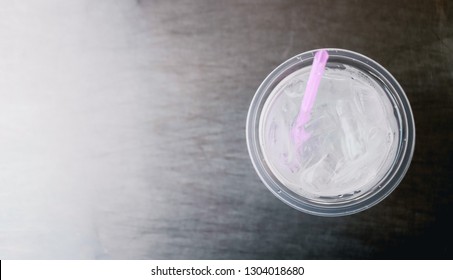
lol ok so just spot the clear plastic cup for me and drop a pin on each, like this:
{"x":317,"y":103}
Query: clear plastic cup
{"x":361,"y":135}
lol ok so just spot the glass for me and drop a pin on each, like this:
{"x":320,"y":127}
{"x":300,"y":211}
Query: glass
{"x":352,"y":196}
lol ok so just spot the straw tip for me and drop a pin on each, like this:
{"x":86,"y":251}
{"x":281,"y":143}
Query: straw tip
{"x":322,"y":56}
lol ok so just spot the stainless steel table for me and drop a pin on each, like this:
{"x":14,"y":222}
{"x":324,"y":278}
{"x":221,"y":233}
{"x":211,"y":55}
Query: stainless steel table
{"x":122,"y":129}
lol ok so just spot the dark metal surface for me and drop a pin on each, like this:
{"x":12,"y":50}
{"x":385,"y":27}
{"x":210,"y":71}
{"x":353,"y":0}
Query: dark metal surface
{"x":139,"y":152}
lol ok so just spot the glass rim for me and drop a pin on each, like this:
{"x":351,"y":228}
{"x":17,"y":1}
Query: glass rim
{"x":345,"y":206}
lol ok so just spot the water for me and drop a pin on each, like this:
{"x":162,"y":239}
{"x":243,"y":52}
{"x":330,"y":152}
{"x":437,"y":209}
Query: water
{"x":353,"y":134}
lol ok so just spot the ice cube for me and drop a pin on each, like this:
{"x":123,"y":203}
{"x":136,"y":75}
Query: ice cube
{"x":321,"y":173}
{"x":352,"y":145}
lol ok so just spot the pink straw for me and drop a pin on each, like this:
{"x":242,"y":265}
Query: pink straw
{"x":298,"y":132}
